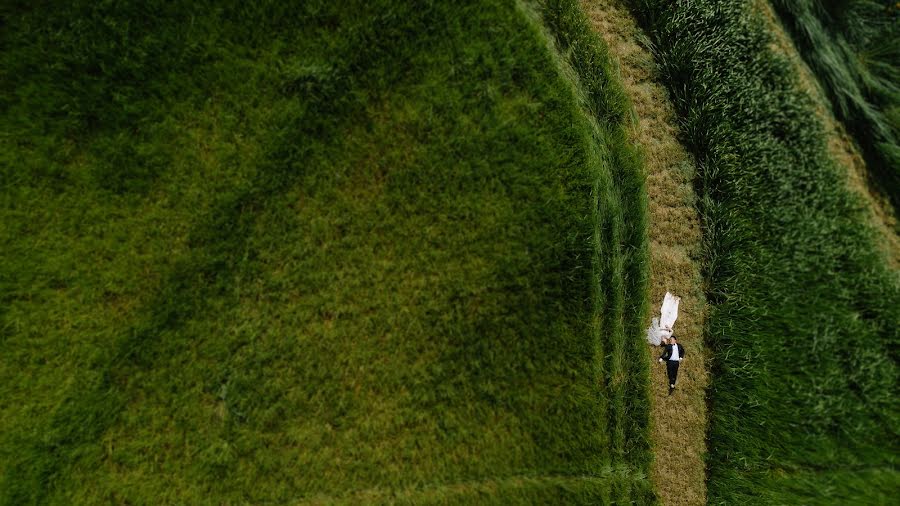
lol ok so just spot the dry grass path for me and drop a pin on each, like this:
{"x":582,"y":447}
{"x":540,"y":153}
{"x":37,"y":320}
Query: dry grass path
{"x":678,"y":423}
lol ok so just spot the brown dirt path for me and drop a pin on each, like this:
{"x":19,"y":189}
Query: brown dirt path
{"x":841,"y":146}
{"x":678,"y":423}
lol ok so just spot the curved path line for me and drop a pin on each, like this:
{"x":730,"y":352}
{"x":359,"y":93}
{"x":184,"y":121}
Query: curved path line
{"x":678,"y":423}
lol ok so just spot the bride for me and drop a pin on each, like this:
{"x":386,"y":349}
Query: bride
{"x":661,"y":328}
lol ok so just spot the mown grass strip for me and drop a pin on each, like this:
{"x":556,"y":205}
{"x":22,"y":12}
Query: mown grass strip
{"x":801,"y":331}
{"x":677,"y":422}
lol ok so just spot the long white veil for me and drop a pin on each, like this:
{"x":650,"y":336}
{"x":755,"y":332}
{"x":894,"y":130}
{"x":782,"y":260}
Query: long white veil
{"x":661,"y":328}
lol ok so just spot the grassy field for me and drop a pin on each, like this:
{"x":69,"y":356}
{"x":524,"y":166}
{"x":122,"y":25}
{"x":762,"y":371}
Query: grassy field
{"x":801,"y":328}
{"x":852,"y":47}
{"x":293,"y":252}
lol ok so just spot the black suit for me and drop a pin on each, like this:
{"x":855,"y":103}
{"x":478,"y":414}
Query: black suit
{"x":672,"y":365}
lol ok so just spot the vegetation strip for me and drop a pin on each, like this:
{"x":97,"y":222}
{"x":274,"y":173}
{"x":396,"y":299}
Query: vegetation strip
{"x":621,"y":242}
{"x":678,"y":422}
{"x":851,"y":46}
{"x":800,"y":328}
{"x":842,"y":147}
{"x":577,"y":489}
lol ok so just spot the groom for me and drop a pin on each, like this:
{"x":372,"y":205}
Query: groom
{"x":673,"y":355}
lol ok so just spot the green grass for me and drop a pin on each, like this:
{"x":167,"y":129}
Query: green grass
{"x":802,"y":325}
{"x":293,"y":252}
{"x":621,"y":245}
{"x":852,"y":46}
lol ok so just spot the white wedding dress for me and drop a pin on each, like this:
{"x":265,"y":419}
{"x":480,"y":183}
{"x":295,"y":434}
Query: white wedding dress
{"x":661,"y":328}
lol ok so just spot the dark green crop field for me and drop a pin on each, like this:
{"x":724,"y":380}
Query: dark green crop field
{"x":803,"y":322}
{"x":280,"y":252}
{"x":853,"y":46}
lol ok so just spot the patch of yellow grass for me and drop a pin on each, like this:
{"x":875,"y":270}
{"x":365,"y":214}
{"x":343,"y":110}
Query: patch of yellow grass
{"x":678,"y":423}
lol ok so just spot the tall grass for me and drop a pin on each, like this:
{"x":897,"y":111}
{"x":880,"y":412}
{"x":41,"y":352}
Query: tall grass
{"x":621,"y":298}
{"x":801,"y":331}
{"x":280,"y":252}
{"x":852,"y":47}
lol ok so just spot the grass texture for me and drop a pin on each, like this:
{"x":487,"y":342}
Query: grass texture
{"x":677,"y":422}
{"x":277,"y":252}
{"x":852,"y":46}
{"x":802,"y":326}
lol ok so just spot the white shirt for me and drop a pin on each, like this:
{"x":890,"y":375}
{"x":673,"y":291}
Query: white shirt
{"x":675,"y":355}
